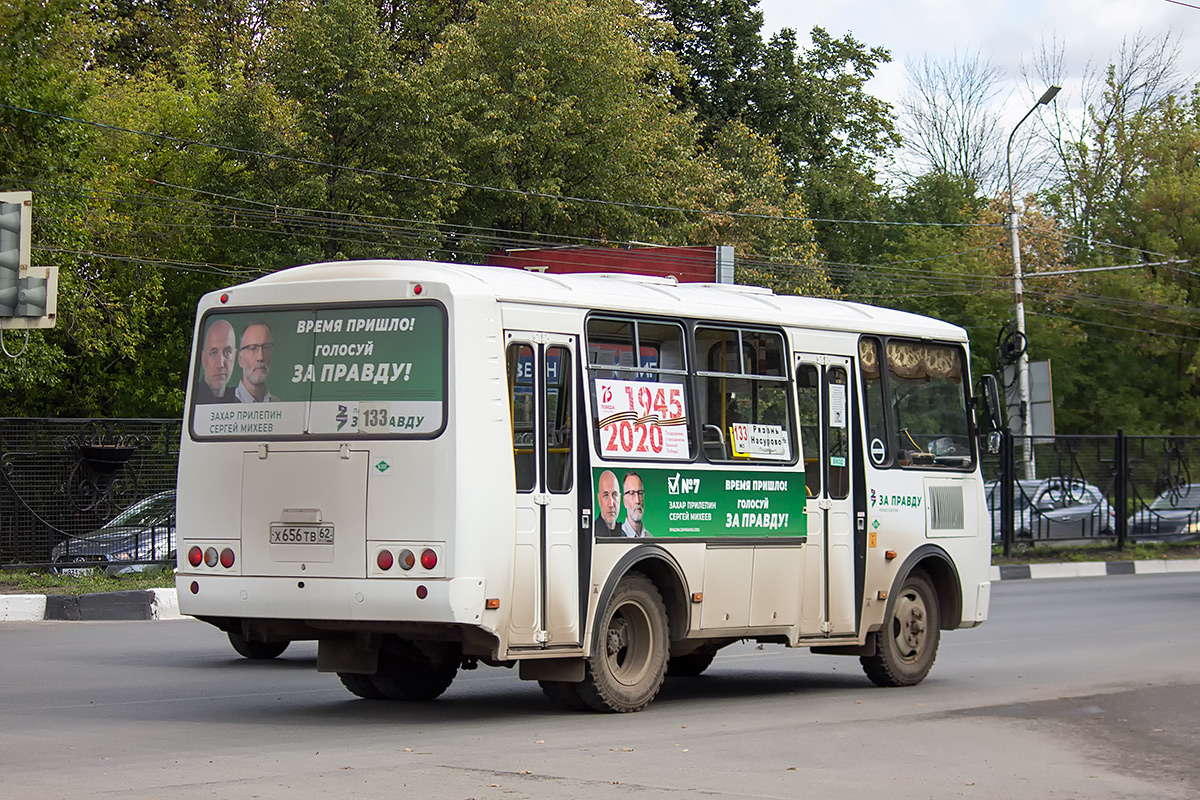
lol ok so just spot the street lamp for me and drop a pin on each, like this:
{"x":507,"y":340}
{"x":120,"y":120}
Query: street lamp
{"x":1023,"y":361}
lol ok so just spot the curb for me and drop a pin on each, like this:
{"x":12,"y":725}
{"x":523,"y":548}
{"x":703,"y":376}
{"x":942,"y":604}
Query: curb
{"x":163,"y":604}
{"x":1091,"y":569}
{"x":150,"y":604}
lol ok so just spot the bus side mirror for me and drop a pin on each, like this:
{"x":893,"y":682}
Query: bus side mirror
{"x":988,"y":408}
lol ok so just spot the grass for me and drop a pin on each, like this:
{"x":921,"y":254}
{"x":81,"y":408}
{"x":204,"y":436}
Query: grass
{"x":40,"y":582}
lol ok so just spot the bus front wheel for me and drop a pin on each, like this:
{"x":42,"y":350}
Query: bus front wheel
{"x":907,"y":645}
{"x":628,"y":667}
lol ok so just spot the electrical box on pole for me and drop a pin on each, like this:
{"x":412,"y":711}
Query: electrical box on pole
{"x":28,"y":295}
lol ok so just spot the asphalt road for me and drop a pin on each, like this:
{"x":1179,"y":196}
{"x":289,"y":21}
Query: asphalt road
{"x":1084,"y":688}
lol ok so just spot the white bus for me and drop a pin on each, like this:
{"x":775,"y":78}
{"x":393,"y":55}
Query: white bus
{"x":600,"y":479}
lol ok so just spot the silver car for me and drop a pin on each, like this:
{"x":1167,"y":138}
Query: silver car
{"x":1172,"y":516}
{"x":140,"y":537}
{"x":1054,"y":508}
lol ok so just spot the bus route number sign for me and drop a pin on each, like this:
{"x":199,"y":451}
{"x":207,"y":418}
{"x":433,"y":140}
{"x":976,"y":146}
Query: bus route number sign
{"x":642,"y":419}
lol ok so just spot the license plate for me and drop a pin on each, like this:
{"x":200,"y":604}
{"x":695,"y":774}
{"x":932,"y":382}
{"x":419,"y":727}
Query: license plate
{"x":302,"y":534}
{"x":78,"y":572}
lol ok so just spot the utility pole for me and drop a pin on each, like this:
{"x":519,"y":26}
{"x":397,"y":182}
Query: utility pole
{"x":1014,"y":224}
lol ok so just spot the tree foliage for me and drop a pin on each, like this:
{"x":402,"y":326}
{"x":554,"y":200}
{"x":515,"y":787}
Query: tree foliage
{"x":176,"y":146}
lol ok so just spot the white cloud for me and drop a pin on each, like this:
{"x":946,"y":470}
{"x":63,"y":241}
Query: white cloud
{"x":1006,"y":32}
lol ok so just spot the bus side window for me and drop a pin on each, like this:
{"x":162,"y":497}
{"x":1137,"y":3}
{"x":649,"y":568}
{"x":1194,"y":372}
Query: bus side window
{"x":637,"y":369}
{"x":837,"y":439}
{"x":558,"y":420}
{"x":520,"y":386}
{"x":743,"y":383}
{"x":808,"y":412}
{"x":870,"y":361}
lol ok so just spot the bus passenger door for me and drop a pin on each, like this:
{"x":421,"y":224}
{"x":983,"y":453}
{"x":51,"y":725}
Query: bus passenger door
{"x":823,"y":397}
{"x":545,"y":603}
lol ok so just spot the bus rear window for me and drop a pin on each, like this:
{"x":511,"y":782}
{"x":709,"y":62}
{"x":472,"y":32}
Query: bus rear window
{"x":328,"y":372}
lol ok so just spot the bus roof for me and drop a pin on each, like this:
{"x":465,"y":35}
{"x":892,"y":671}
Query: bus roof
{"x":626,"y":293}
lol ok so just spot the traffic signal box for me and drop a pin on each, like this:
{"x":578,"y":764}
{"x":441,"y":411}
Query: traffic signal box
{"x":28,"y":295}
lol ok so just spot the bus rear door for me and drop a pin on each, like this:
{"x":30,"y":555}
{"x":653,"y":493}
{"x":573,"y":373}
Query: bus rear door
{"x":545,"y":605}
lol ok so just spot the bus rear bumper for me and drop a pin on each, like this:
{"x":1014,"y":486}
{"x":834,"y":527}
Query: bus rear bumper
{"x":453,"y":600}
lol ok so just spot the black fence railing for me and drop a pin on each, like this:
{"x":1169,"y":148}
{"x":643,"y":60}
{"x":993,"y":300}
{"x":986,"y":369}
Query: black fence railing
{"x":1118,"y":487}
{"x":63,"y":480}
{"x":80,"y":493}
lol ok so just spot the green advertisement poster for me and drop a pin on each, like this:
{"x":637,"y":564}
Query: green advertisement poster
{"x":679,"y":503}
{"x":362,"y":370}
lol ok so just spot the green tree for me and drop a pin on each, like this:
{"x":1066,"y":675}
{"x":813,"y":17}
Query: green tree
{"x":756,"y":209}
{"x":720,"y":43}
{"x":359,"y":119}
{"x":547,"y":99}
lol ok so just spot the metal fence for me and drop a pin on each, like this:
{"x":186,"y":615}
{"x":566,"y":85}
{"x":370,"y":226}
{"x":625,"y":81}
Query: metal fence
{"x":1119,"y":487}
{"x":61,"y":480}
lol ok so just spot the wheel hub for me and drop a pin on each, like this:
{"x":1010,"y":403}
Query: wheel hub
{"x":911,"y":625}
{"x":616,"y":639}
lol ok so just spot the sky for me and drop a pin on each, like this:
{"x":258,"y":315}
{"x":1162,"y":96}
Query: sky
{"x":1005,"y":31}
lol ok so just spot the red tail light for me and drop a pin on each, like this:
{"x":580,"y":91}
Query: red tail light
{"x":428,"y":558}
{"x":384,"y":560}
{"x":195,"y":556}
{"x":227,"y":558}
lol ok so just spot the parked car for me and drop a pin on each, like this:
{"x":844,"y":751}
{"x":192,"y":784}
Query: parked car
{"x":1173,"y":515}
{"x":129,"y":542}
{"x":1054,"y":508}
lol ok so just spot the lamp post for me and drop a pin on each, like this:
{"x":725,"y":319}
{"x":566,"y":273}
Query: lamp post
{"x":1018,"y":289}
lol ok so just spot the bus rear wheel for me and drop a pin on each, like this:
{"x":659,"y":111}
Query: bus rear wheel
{"x":628,"y":667}
{"x":907,"y":645}
{"x":564,"y":695}
{"x":409,"y":672}
{"x":689,"y":666}
{"x":361,"y":685}
{"x":250,"y":648}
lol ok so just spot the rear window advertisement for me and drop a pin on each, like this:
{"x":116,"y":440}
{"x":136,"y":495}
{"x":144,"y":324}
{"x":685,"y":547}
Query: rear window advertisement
{"x":366,"y":371}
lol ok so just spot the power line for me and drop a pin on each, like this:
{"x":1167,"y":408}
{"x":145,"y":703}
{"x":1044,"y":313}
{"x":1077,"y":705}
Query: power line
{"x":480,"y":187}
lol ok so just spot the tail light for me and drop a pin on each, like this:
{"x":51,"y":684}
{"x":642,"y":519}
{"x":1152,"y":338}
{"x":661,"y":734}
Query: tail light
{"x":428,"y":558}
{"x":407,"y":559}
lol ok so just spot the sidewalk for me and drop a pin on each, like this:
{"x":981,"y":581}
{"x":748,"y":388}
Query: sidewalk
{"x":150,"y":604}
{"x":1091,"y":569}
{"x":163,"y":604}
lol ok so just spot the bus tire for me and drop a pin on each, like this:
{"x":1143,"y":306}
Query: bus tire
{"x":408,"y":673}
{"x":689,"y":666}
{"x":259,"y":651}
{"x":907,"y":645}
{"x":361,"y":685}
{"x":564,"y":695}
{"x":628,"y":667}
